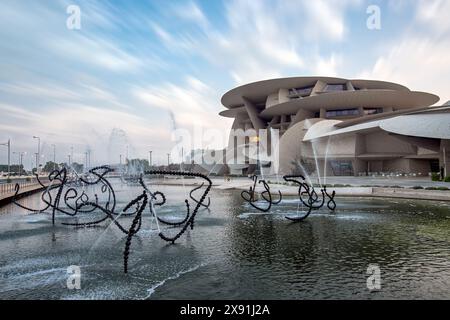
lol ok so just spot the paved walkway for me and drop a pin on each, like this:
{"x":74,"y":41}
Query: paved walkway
{"x":384,"y":181}
{"x":355,"y":186}
{"x":233,"y":182}
{"x":7,"y":191}
{"x":405,"y":182}
{"x":238,"y":182}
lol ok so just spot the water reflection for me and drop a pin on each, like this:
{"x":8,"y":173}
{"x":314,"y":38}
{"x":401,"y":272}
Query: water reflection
{"x":235,"y":253}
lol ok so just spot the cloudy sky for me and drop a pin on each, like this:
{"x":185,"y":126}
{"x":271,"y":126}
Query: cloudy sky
{"x":136,"y":70}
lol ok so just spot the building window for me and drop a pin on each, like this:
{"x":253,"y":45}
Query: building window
{"x":300,"y":92}
{"x":342,"y":113}
{"x":341,"y":167}
{"x":434,"y":165}
{"x":369,"y":111}
{"x":335,"y":87}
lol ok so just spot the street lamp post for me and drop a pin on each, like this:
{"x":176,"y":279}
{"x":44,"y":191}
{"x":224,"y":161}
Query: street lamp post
{"x":21,"y":162}
{"x":38,"y":155}
{"x":37,"y":160}
{"x":168,"y":159}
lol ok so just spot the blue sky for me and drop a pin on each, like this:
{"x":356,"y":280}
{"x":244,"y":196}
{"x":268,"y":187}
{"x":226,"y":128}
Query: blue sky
{"x":137,"y":69}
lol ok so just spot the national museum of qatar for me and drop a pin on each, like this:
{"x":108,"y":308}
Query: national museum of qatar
{"x":339,"y":127}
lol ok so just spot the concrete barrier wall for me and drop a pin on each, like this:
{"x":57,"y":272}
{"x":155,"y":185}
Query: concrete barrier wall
{"x":404,"y":193}
{"x":411,"y":194}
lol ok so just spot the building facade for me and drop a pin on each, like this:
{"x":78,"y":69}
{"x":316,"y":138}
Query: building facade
{"x":333,"y":126}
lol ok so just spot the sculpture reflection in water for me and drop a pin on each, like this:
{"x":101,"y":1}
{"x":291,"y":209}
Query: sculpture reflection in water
{"x":307,"y":195}
{"x":63,"y":196}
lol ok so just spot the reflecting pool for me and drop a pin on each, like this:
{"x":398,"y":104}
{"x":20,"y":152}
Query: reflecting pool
{"x":234,"y":252}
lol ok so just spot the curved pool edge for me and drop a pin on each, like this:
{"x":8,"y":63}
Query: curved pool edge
{"x":376,"y":192}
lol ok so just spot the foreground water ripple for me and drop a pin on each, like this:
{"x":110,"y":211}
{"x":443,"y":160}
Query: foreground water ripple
{"x":235,"y":252}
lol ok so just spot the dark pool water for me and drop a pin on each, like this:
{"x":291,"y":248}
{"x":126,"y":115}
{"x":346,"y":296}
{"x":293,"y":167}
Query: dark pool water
{"x":235,"y":252}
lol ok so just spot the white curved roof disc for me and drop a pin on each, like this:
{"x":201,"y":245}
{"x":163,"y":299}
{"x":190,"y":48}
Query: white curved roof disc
{"x":436,"y":125}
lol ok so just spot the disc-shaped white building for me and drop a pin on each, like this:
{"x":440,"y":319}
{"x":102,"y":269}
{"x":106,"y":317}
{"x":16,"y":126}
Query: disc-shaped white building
{"x":347,"y":127}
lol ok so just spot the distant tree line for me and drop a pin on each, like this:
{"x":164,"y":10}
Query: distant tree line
{"x":14,"y":168}
{"x":50,"y":166}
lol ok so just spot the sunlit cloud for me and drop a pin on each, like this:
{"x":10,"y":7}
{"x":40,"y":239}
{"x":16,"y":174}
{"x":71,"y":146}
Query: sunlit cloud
{"x":193,"y":103}
{"x":139,"y":67}
{"x":420,"y":59}
{"x":192,"y":13}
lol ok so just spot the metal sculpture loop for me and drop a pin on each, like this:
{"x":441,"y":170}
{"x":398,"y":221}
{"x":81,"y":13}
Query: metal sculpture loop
{"x":249,"y":195}
{"x":69,"y":201}
{"x":195,"y":200}
{"x":331,"y":204}
{"x":312,"y":202}
{"x":307,"y":195}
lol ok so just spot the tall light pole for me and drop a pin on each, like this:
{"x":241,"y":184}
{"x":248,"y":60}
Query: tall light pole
{"x":38,"y":153}
{"x":37,"y":160}
{"x":54,"y":156}
{"x":21,"y":161}
{"x":8,"y":144}
{"x":168,"y":159}
{"x":86,"y":159}
{"x":69,"y":159}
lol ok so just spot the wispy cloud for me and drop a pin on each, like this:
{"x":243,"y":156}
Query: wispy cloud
{"x":191,"y":12}
{"x":133,"y":64}
{"x":107,"y":55}
{"x":265,"y":39}
{"x":193,"y":103}
{"x":434,"y":14}
{"x":325,"y":19}
{"x":420,"y":59}
{"x":45,"y":90}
